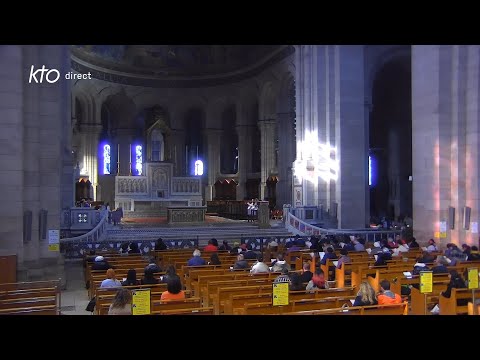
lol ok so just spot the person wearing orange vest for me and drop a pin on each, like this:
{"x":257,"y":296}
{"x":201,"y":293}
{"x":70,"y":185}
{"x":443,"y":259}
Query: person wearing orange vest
{"x":386,"y":296}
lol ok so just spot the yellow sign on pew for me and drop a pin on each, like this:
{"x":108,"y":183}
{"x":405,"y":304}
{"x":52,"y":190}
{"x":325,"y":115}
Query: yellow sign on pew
{"x":473,"y":278}
{"x":141,"y":302}
{"x":280,"y":294}
{"x":426,"y":282}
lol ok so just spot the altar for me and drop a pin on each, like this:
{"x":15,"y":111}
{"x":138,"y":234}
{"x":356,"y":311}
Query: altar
{"x":153,"y":193}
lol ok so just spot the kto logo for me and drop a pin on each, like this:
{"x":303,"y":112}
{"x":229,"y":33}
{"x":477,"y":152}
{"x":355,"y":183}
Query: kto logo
{"x":51,"y":75}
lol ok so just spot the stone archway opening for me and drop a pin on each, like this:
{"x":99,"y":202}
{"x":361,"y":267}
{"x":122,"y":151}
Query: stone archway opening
{"x":390,"y":155}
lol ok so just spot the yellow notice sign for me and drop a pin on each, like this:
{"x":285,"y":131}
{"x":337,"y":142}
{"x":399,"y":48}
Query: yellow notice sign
{"x":436,"y":234}
{"x":426,"y":282}
{"x":141,"y":302}
{"x":473,"y":278}
{"x":280,"y":294}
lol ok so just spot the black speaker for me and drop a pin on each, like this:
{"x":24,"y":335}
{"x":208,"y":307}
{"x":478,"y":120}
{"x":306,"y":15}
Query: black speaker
{"x":466,"y":217}
{"x":451,"y":217}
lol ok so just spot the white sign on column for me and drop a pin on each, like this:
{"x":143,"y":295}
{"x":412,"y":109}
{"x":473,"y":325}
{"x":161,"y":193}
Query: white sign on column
{"x":474,"y":227}
{"x":53,"y":240}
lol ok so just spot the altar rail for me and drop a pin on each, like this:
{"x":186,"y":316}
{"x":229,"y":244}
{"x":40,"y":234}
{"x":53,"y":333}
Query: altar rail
{"x":300,"y":227}
{"x":72,"y":248}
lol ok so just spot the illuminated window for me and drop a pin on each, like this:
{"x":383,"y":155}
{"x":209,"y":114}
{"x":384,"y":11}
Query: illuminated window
{"x":369,"y":170}
{"x":138,"y":160}
{"x":198,"y":168}
{"x":106,"y":159}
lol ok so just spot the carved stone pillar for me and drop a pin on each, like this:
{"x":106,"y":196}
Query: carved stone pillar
{"x":90,"y":137}
{"x":244,"y":157}
{"x":177,"y":152}
{"x":212,"y":167}
{"x":267,"y":133}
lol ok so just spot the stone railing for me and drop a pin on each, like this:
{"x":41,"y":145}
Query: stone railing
{"x":93,"y":235}
{"x":300,"y":227}
{"x":131,"y":185}
{"x":186,"y":185}
{"x":77,"y":249}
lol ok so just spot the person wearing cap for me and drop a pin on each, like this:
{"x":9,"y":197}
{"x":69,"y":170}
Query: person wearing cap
{"x":413,"y":243}
{"x":101,"y":264}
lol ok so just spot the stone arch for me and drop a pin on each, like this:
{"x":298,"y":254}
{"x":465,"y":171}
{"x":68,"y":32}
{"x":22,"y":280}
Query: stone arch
{"x":122,"y":110}
{"x":391,"y":132}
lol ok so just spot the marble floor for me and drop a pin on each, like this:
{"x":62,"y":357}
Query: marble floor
{"x":74,"y":298}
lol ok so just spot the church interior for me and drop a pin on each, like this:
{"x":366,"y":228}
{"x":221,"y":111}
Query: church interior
{"x":349,"y":164}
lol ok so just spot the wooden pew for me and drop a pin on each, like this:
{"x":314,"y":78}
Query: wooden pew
{"x":449,"y":306}
{"x":419,"y":301}
{"x":392,"y":309}
{"x":297,"y":305}
{"x":34,"y":310}
{"x":190,"y":311}
{"x":473,"y":309}
{"x":235,"y":303}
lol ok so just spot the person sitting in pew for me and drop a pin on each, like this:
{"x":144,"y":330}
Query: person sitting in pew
{"x":306,"y":274}
{"x":122,"y":303}
{"x":152,"y":265}
{"x":160,"y":245}
{"x":260,"y":266}
{"x":296,"y":283}
{"x":197,"y":259}
{"x":386,"y":296}
{"x":283,"y":277}
{"x":148,"y":277}
{"x":366,"y":295}
{"x":318,"y":281}
{"x":170,"y":272}
{"x":280,"y":264}
{"x":131,"y":279}
{"x":344,"y":258}
{"x":225,"y":246}
{"x":101,"y":264}
{"x":174,"y":290}
{"x":441,"y":264}
{"x":249,"y":254}
{"x":214,"y":259}
{"x":241,"y":263}
{"x":111,"y":280}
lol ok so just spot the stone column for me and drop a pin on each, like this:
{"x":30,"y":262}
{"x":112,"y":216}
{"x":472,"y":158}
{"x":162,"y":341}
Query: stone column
{"x":212,"y":167}
{"x":244,"y":157}
{"x":124,"y":138}
{"x":267,"y":133}
{"x":178,"y":152}
{"x":445,"y":141}
{"x":12,"y":81}
{"x":332,"y":156}
{"x":286,"y":156}
{"x":90,"y":145}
